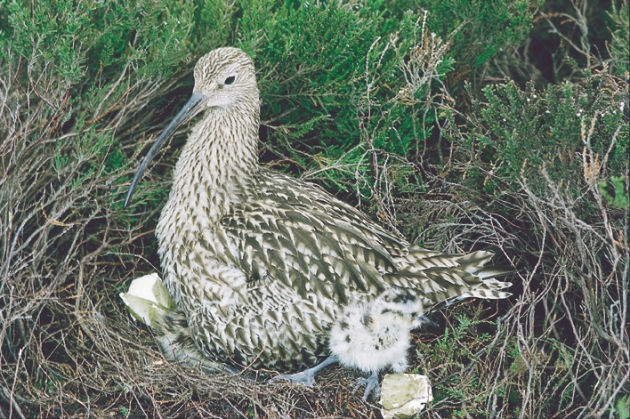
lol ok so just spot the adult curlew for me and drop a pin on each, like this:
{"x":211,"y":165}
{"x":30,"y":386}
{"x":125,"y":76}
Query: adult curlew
{"x":272,"y":271}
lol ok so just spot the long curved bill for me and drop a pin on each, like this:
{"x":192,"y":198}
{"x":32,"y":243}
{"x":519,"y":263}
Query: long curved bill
{"x":190,"y":109}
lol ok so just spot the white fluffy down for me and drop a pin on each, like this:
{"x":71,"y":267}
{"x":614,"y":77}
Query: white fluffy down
{"x":371,"y":336}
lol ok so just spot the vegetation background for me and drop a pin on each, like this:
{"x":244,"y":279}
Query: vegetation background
{"x":466,"y":124}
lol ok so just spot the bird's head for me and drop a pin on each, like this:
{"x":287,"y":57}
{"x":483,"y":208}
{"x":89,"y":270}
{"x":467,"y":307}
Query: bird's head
{"x":224,"y":78}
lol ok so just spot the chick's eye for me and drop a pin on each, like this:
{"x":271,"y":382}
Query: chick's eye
{"x":230,"y":80}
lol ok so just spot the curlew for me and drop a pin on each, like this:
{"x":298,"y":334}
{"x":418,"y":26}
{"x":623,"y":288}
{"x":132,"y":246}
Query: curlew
{"x":271,"y":271}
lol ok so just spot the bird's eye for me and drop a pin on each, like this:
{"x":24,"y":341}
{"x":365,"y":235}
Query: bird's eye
{"x":230,"y":80}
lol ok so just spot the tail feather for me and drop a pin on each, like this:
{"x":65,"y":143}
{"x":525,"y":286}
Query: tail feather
{"x":447,"y":278}
{"x":473,"y":262}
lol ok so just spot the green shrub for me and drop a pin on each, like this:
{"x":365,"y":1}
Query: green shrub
{"x":540,"y":176}
{"x":518,"y":133}
{"x":618,"y":47}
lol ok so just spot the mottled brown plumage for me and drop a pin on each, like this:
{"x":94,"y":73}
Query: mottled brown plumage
{"x":263,"y":265}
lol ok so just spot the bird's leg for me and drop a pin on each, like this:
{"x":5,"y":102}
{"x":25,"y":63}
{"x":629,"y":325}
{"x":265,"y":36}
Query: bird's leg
{"x":307,"y":377}
{"x":370,"y":383}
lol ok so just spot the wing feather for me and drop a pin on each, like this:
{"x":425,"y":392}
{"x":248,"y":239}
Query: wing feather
{"x":309,"y":241}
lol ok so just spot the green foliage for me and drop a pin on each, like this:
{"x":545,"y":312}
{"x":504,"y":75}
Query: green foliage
{"x":619,"y":47}
{"x":616,"y":191}
{"x":459,"y":349}
{"x":622,"y":407}
{"x":323,"y":73}
{"x":84,"y":39}
{"x":545,"y":168}
{"x":124,"y":411}
{"x":331,"y":97}
{"x":519,"y":132}
{"x":482,"y":29}
{"x":486,"y":27}
{"x":86,"y":61}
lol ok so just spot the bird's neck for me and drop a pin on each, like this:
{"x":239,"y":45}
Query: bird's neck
{"x":218,"y":164}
